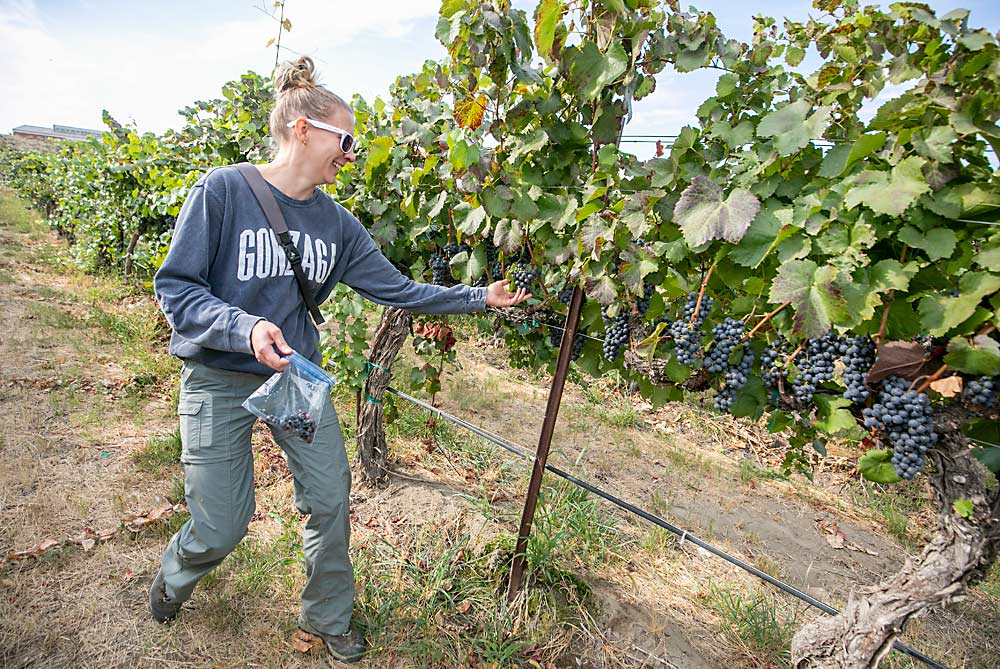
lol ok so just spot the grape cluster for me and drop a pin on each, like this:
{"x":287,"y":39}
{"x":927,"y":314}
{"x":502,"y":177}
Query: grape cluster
{"x":566,"y":294}
{"x":452,"y":249}
{"x":642,"y":303}
{"x":494,"y":264}
{"x":981,"y":391}
{"x":441,"y":262}
{"x":555,"y":339}
{"x":905,"y":418}
{"x":815,"y":365}
{"x":523,"y":276}
{"x":301,"y":423}
{"x":772,"y":362}
{"x":615,"y":334}
{"x":858,"y":359}
{"x":727,"y":336}
{"x":736,"y":378}
{"x":688,"y":337}
{"x":441,"y":269}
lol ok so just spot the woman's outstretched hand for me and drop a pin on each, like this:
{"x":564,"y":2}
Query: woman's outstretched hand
{"x":497,"y":295}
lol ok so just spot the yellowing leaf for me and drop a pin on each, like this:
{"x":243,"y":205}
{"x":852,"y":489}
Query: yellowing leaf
{"x":469,"y":112}
{"x":949,"y":386}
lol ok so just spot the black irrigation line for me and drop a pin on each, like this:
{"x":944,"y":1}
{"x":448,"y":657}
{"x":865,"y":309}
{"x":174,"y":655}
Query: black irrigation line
{"x":656,"y":520}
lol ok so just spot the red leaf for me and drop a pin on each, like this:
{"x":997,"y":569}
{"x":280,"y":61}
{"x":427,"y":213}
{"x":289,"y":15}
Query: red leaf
{"x":905,"y":359}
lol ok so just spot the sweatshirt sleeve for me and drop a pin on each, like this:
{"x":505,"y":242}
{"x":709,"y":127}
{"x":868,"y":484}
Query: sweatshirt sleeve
{"x":181,"y":284}
{"x":373,"y":277}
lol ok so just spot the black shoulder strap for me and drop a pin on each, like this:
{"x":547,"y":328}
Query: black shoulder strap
{"x":267,"y":202}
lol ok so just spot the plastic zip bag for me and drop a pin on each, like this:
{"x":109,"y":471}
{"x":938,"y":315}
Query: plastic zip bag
{"x":293,"y":399}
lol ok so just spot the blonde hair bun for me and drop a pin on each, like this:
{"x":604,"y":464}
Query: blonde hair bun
{"x":294,"y":75}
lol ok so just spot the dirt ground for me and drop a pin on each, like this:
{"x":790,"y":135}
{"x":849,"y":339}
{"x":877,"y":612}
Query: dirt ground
{"x":83,"y":522}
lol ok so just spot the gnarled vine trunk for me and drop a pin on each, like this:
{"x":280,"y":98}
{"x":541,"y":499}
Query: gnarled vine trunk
{"x":958,"y":555}
{"x":389,"y":337}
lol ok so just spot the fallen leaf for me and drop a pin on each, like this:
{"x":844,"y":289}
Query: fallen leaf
{"x":949,"y":386}
{"x":835,"y":540}
{"x":305,"y":642}
{"x":46,"y":545}
{"x":464,"y":606}
{"x":832,"y":533}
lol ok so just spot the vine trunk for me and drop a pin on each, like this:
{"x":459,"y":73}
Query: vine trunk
{"x":960,"y":553}
{"x":389,"y":338}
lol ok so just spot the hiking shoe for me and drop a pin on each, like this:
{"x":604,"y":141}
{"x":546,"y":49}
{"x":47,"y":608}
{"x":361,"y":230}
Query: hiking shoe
{"x":162,"y":607}
{"x":347,"y":647}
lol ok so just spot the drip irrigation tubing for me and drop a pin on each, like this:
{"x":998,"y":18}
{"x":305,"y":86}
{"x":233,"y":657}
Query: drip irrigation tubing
{"x":656,"y":520}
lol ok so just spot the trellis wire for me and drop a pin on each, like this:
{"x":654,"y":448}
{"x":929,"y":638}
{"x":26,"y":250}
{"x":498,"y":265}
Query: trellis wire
{"x":656,"y":520}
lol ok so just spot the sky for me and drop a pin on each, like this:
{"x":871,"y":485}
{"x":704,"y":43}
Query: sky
{"x":63,"y":61}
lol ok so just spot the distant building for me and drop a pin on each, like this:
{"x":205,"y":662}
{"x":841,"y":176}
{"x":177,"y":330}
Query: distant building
{"x":55,"y":132}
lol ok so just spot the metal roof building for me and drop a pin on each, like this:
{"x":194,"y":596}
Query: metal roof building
{"x":56,"y":132}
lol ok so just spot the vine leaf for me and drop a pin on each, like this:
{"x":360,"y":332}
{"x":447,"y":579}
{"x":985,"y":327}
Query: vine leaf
{"x":451,"y":7}
{"x":601,"y":288}
{"x":547,"y":17}
{"x":703,"y":215}
{"x":468,"y":219}
{"x":763,"y":235}
{"x":841,"y":157}
{"x":938,"y":243}
{"x":963,"y":508}
{"x":981,"y":356}
{"x":905,"y":359}
{"x":470,"y":111}
{"x":876,"y":465}
{"x":891,"y":274}
{"x":834,"y":415}
{"x":940,"y":313}
{"x":595,"y":232}
{"x":889,"y":193}
{"x":528,"y":143}
{"x":590,"y":71}
{"x":378,"y":152}
{"x":814,"y":293}
{"x":470,"y":266}
{"x":508,"y":235}
{"x":989,"y":456}
{"x":792,"y":127}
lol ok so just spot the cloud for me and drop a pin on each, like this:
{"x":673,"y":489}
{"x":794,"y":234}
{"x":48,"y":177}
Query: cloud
{"x":144,"y":66}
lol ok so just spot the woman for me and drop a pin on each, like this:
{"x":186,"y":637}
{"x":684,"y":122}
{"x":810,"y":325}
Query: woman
{"x":233,"y":302}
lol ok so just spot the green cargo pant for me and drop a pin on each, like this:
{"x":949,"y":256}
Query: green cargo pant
{"x":218,"y":486}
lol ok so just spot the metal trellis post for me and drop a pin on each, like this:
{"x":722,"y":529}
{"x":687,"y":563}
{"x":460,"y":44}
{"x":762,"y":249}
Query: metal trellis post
{"x":544,"y":441}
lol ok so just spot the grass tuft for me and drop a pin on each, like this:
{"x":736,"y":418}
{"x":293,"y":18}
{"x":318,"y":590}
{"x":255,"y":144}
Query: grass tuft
{"x":756,"y":622}
{"x":160,"y":451}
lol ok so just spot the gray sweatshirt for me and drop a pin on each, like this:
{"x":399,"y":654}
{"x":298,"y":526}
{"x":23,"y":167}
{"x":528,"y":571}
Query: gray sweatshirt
{"x":225,"y":271}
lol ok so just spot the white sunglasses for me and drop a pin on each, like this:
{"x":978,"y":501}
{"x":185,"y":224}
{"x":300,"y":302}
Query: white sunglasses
{"x":346,"y":138}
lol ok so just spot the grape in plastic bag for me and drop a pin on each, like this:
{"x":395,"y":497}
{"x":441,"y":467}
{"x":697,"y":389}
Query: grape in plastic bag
{"x":293,"y":399}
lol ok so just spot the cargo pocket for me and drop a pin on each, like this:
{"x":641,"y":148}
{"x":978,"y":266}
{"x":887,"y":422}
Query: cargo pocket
{"x":196,"y":424}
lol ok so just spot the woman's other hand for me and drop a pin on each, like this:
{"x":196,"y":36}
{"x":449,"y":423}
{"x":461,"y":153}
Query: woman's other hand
{"x":263,"y":338}
{"x":497,"y":295}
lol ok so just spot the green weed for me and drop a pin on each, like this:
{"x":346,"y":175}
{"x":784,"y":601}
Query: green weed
{"x":751,"y":472}
{"x":757,"y":623}
{"x":160,"y":451}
